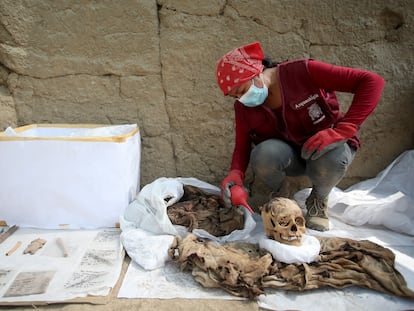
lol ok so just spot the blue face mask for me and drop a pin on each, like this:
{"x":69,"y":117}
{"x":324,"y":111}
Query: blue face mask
{"x":254,"y":96}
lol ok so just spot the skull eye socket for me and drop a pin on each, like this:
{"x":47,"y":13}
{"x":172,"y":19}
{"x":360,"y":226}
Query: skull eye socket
{"x":299,"y":221}
{"x":283,"y":222}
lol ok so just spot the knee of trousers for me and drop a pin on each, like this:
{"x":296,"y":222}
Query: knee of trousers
{"x":328,"y":168}
{"x":271,"y":155}
{"x":337,"y":159}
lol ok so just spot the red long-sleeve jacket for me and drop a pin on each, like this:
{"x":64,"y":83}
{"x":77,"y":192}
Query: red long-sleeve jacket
{"x":309,"y":104}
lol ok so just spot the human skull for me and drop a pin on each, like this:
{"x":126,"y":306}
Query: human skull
{"x":283,"y":221}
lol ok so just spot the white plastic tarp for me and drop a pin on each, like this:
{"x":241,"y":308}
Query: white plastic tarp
{"x":147,"y":232}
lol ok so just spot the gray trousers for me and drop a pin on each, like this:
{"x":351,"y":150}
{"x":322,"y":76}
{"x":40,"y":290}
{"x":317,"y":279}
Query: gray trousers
{"x":273,"y":160}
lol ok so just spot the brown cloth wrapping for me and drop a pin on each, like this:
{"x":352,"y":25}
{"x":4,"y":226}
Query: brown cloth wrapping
{"x":200,"y":210}
{"x":245,"y":270}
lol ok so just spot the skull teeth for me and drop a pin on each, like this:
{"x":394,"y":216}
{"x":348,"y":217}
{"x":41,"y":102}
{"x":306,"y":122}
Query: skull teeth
{"x":289,"y":238}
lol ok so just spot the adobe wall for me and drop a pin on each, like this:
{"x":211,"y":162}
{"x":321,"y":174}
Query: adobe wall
{"x":153,"y":62}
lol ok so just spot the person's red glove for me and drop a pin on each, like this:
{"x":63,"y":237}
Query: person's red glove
{"x":328,"y":139}
{"x":238,"y":197}
{"x":235,"y":177}
{"x":232,"y":190}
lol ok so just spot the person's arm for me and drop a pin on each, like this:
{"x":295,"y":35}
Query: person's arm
{"x":365,"y":85}
{"x":232,"y":185}
{"x":242,"y":145}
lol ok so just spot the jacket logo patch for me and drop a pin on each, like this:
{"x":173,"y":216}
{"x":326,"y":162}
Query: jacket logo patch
{"x":307,"y":100}
{"x":315,"y":113}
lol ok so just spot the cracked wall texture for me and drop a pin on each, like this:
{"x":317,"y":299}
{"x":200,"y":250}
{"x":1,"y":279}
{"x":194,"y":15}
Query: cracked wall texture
{"x":153,"y":62}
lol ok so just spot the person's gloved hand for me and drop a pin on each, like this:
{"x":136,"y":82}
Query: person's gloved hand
{"x":235,"y":177}
{"x":328,"y":139}
{"x":233,"y":192}
{"x":238,"y":197}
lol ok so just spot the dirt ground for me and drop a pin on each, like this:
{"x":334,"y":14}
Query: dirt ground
{"x":113,"y":303}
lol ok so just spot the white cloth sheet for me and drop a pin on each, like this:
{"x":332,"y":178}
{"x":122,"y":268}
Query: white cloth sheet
{"x":379,"y":210}
{"x":147,"y":232}
{"x":386,"y":200}
{"x":168,"y":282}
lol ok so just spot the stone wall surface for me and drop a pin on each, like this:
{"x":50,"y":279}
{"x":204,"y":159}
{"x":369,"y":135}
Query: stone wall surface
{"x":153,"y":63}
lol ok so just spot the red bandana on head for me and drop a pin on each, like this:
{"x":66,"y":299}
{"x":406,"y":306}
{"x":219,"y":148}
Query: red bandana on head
{"x":238,"y":66}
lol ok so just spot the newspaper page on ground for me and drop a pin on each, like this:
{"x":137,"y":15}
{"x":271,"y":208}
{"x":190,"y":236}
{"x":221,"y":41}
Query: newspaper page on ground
{"x":38,"y":265}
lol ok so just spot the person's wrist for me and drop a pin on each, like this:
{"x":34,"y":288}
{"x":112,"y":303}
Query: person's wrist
{"x":236,"y":176}
{"x":346,"y":129}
